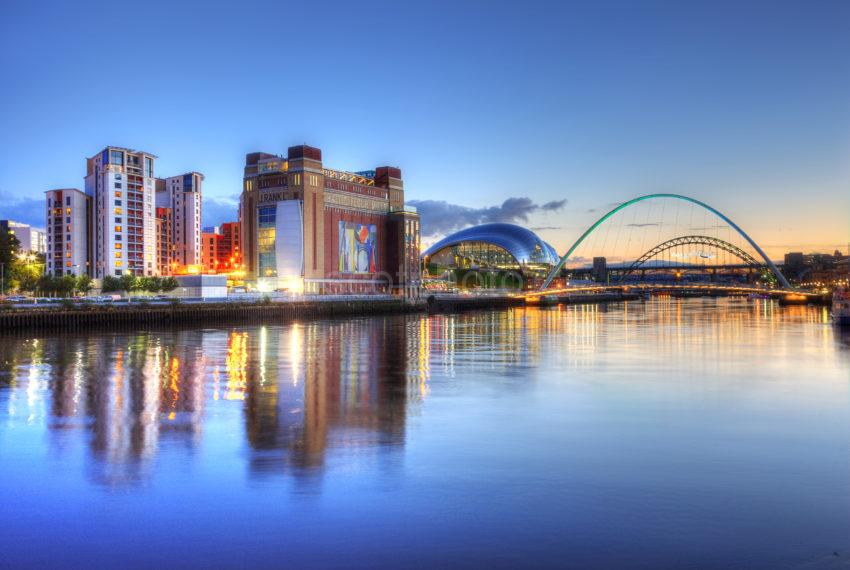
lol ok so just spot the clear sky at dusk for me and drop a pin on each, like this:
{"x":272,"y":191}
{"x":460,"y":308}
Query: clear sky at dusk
{"x":745,"y":105}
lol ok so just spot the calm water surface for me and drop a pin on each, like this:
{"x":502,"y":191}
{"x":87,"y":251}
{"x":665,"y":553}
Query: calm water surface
{"x":668,"y":434}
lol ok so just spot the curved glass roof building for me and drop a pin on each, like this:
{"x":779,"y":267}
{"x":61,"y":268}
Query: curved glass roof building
{"x":494,"y":246}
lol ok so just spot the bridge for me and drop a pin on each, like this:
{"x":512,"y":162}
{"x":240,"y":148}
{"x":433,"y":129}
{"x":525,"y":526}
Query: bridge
{"x":704,"y":288}
{"x":700,"y":240}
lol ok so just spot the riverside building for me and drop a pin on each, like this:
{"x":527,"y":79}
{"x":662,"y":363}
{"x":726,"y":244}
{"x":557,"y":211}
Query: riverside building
{"x":67,"y":227}
{"x":121,"y":185}
{"x":306,"y":227}
{"x":182,"y":195}
{"x":164,"y":241}
{"x":29,"y":238}
{"x":220,"y":251}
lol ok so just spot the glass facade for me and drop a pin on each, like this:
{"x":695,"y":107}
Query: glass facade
{"x":266,"y":238}
{"x":494,"y":246}
{"x":472,"y":254}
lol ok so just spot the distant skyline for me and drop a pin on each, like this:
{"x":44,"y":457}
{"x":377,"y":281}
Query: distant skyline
{"x":543,"y":115}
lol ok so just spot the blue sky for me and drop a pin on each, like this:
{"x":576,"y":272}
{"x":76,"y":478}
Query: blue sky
{"x":745,"y":105}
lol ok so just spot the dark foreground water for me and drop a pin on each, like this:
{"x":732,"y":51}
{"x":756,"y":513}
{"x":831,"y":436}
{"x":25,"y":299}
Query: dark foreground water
{"x":671,"y":434}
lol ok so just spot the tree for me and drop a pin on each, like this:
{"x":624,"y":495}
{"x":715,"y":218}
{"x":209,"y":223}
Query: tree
{"x":84,"y":284}
{"x":169,"y":284}
{"x":128,"y":282}
{"x":154,"y":284}
{"x":150,"y":284}
{"x":46,"y":284}
{"x":24,"y":276}
{"x":65,"y":285}
{"x":111,"y":284}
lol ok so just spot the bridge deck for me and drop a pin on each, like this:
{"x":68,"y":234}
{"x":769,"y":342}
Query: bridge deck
{"x":664,"y":287}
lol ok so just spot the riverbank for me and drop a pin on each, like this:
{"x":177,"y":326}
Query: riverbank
{"x":147,"y":315}
{"x":140,"y":315}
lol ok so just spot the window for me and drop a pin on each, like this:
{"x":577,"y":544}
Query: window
{"x":67,"y":200}
{"x":117,"y":211}
{"x":118,"y":263}
{"x":118,"y":185}
{"x":296,"y":179}
{"x":117,"y":272}
{"x":314,"y":180}
{"x":117,"y":221}
{"x":117,"y":238}
{"x":68,"y":255}
{"x":117,"y":194}
{"x":67,"y":264}
{"x":116,"y":157}
{"x":68,"y":211}
{"x":148,"y":167}
{"x":117,"y":203}
{"x":266,"y":241}
{"x":117,"y":255}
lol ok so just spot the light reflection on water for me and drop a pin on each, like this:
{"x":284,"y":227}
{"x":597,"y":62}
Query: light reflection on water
{"x":566,"y":436}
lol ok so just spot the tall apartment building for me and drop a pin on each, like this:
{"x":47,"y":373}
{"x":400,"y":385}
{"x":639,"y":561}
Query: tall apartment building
{"x":164,"y":241}
{"x":309,"y":228}
{"x":182,"y":194}
{"x":121,"y":185}
{"x":69,"y":215}
{"x":30,"y":239}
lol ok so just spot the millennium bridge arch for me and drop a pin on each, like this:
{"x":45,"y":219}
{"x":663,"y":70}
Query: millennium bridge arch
{"x":775,"y":270}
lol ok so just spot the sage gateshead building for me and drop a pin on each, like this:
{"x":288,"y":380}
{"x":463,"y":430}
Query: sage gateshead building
{"x":491,"y":249}
{"x":309,"y":228}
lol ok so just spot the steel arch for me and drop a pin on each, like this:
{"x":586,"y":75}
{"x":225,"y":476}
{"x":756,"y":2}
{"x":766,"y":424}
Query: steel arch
{"x":552,"y":274}
{"x":692,"y":240}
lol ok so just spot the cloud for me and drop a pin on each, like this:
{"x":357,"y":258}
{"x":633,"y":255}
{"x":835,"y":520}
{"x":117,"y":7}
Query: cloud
{"x":30,"y":211}
{"x":215,"y":211}
{"x":642,"y":225}
{"x":440,"y":217}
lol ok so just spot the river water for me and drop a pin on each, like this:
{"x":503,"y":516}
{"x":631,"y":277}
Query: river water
{"x":701,"y":433}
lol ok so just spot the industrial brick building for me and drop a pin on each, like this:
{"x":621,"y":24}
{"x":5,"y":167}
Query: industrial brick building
{"x":306,"y":227}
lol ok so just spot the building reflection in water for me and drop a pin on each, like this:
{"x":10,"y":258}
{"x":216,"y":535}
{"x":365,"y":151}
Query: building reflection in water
{"x":299,"y":393}
{"x":302,"y":389}
{"x":326,"y":385}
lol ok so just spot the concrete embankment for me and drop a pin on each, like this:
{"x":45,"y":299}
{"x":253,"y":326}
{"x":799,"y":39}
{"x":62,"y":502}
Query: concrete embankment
{"x":140,"y":315}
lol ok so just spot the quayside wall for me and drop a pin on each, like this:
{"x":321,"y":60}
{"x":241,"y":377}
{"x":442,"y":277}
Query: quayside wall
{"x":191,"y":314}
{"x":141,"y":315}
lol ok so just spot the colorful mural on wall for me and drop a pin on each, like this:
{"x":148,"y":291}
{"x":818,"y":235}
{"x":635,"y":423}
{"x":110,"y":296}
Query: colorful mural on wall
{"x":357,"y":248}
